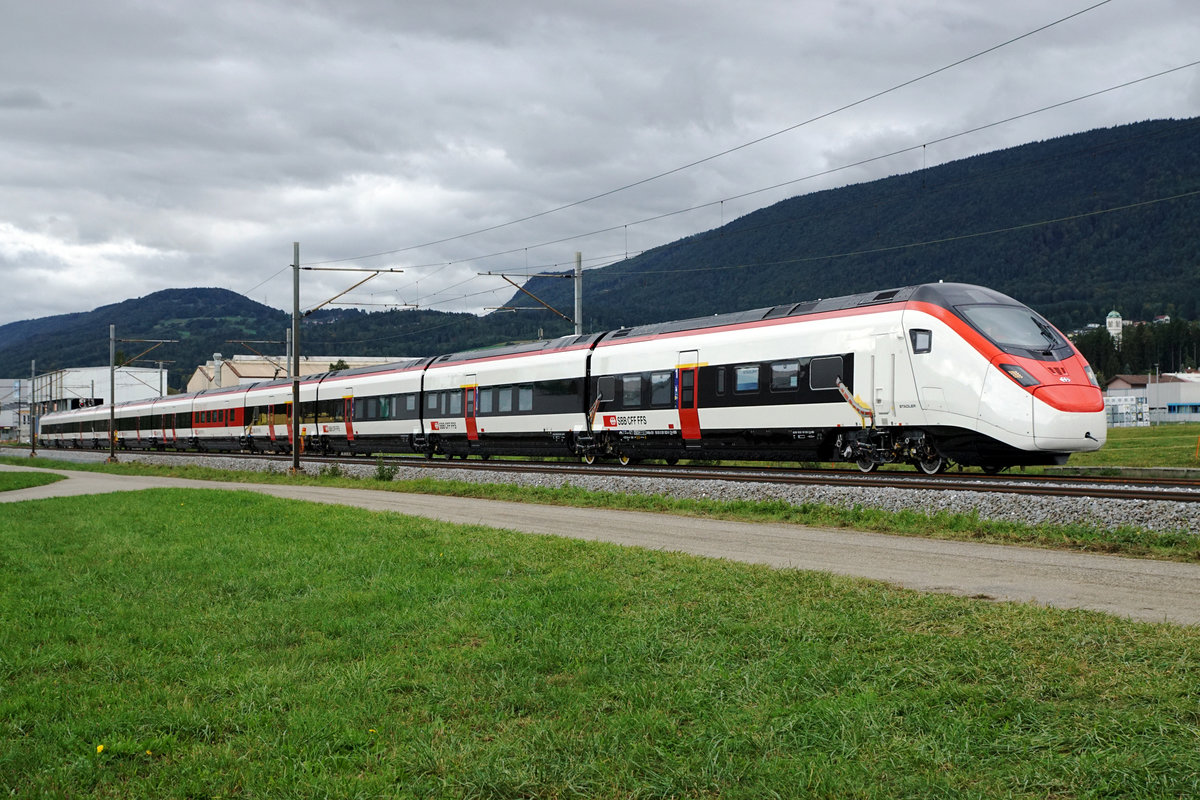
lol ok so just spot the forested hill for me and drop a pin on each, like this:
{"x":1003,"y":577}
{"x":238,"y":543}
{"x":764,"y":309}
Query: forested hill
{"x":207,"y":321}
{"x":202,"y":320}
{"x":1037,"y":222}
{"x":1075,"y":227}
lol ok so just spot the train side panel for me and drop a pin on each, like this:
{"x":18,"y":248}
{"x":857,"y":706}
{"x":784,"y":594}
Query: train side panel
{"x":525,"y":403}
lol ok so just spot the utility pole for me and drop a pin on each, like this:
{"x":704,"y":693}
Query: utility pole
{"x":112,"y":394}
{"x":295,"y":358}
{"x":32,"y":408}
{"x":112,"y":381}
{"x":578,"y":293}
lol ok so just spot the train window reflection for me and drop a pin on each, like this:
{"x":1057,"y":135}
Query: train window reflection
{"x":1012,"y":326}
{"x":631,"y":391}
{"x":746,"y":379}
{"x":823,"y":373}
{"x":785,"y":376}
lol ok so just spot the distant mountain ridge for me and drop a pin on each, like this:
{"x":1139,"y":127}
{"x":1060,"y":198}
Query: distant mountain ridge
{"x":1034,"y":221}
{"x":1039,"y":222}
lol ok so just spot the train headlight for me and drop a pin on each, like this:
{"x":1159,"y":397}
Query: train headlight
{"x":1091,"y":373}
{"x":1019,"y":375}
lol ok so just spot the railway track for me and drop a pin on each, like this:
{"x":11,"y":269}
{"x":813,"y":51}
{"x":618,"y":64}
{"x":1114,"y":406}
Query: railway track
{"x":1180,"y":491}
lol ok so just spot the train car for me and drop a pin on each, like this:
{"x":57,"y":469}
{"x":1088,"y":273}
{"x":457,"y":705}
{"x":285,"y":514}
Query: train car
{"x":135,"y":425}
{"x":924,"y":375}
{"x":170,"y":420}
{"x":527,"y":399}
{"x":756,"y":385}
{"x":267,"y":419}
{"x":374,"y":409}
{"x":218,"y":419}
{"x":82,"y":428}
{"x":997,"y":384}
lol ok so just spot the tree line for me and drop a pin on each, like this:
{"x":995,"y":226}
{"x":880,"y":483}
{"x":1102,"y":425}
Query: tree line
{"x":1143,"y":349}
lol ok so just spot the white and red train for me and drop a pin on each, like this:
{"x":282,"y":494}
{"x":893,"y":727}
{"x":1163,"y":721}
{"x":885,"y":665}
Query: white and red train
{"x":925,"y":375}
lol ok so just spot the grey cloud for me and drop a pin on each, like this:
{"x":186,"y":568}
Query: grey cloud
{"x":191,"y":143}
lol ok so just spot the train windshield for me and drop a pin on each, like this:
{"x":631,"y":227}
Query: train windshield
{"x":1012,"y":326}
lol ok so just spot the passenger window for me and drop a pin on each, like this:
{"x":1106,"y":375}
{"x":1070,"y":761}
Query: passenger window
{"x":455,"y":402}
{"x":720,"y":380}
{"x":823,"y":373}
{"x":431,"y":401}
{"x":525,"y":398}
{"x":785,"y":376}
{"x":746,"y":379}
{"x":485,"y":401}
{"x":662,"y":389}
{"x":504,"y":399}
{"x":631,"y":391}
{"x":922,"y":340}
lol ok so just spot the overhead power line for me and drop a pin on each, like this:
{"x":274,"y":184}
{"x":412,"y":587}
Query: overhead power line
{"x":743,"y":146}
{"x":810,"y":176}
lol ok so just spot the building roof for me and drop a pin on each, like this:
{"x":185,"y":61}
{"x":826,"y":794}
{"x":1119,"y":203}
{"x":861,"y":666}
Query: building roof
{"x":1135,"y":381}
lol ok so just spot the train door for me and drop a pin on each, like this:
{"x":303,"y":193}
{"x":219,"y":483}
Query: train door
{"x":290,"y":421}
{"x":469,"y":390}
{"x":688,"y":385}
{"x":348,"y":415}
{"x":271,"y":423}
{"x":883,"y":378}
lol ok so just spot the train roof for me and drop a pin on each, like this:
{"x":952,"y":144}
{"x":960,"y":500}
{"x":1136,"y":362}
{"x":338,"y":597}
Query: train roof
{"x":525,"y":348}
{"x":800,"y":309}
{"x":947,"y":295}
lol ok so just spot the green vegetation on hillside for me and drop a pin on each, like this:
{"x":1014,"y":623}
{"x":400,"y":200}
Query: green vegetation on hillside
{"x":208,"y":644}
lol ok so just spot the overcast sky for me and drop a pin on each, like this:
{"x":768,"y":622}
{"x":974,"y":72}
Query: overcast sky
{"x":156,"y":144}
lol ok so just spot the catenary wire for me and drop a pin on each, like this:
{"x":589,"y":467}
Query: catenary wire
{"x":744,"y":145}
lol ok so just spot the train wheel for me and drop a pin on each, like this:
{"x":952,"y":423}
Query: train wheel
{"x":624,"y":460}
{"x":866,"y":465}
{"x":672,"y":461}
{"x":991,"y":469}
{"x":588,"y":458}
{"x":932,"y":465}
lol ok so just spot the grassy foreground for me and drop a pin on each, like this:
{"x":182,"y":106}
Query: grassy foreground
{"x":212,"y":644}
{"x":1171,"y":545}
{"x":11,"y":481}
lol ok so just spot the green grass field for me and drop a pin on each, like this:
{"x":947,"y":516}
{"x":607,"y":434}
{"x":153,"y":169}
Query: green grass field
{"x":10,"y":481}
{"x":1156,"y":446}
{"x":1171,"y":545}
{"x":214,"y":644}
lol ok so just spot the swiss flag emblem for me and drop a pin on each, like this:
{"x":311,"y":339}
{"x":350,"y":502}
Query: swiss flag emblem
{"x":433,"y":425}
{"x":610,"y":420}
